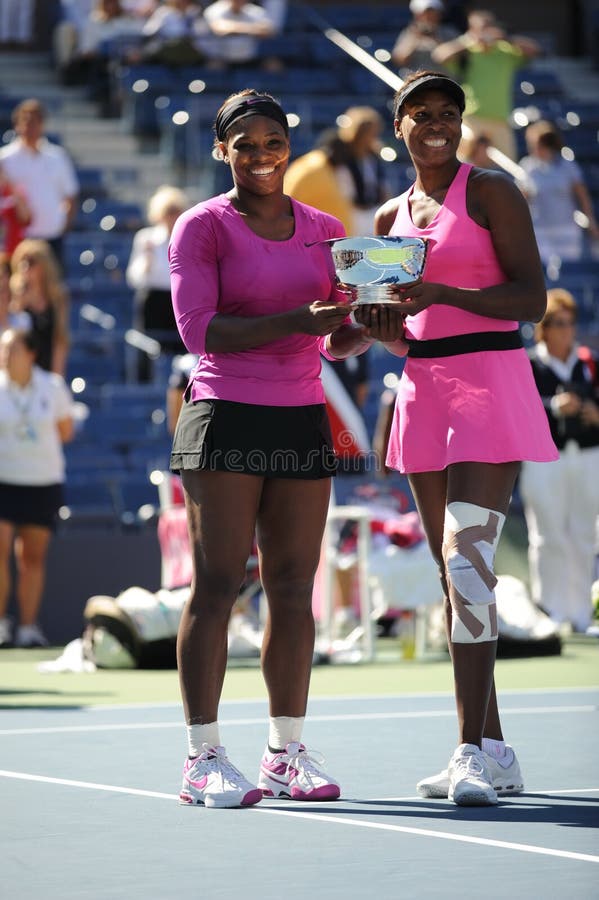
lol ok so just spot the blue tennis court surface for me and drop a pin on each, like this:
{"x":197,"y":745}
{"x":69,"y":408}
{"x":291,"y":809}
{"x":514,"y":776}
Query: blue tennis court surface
{"x":89,"y":806}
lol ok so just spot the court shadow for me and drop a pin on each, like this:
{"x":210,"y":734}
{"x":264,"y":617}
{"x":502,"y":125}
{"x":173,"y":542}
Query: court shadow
{"x":90,"y":697}
{"x":534,"y":808}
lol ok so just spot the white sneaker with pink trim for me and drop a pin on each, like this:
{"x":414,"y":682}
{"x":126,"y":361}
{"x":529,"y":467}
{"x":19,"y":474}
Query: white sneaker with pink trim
{"x":295,"y":774}
{"x":212,"y":780}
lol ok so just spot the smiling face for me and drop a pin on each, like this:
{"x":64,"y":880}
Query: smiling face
{"x":431,"y":126}
{"x":257,"y":149}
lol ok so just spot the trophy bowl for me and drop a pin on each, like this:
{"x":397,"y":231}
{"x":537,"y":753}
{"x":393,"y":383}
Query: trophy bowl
{"x":368,"y":266}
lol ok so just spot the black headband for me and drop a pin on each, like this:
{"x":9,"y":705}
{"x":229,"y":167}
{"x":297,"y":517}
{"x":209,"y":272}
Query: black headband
{"x":248,"y":106}
{"x":440,"y":82}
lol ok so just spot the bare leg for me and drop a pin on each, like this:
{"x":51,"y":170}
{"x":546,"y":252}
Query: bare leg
{"x":31,"y":550}
{"x":291,"y":522}
{"x":6,"y":543}
{"x":221,"y":515}
{"x":489,"y":486}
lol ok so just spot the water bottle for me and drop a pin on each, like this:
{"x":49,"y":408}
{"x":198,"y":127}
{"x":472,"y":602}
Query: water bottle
{"x":407,"y":633}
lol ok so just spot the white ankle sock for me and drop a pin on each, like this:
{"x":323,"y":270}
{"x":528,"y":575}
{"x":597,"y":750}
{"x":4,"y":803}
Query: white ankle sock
{"x":283,"y":730}
{"x":197,"y":735}
{"x":496,"y":749}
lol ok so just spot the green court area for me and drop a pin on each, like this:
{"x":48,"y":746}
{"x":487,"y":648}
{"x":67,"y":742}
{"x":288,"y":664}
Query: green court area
{"x":22,"y":686}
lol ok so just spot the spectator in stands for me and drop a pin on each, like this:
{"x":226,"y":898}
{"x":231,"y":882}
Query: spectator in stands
{"x":9,"y":318}
{"x":105,"y":29}
{"x":484,"y":59}
{"x":237,"y":27}
{"x":148,"y":273}
{"x":39,"y":291}
{"x":561,"y":499}
{"x":473,"y":150}
{"x":557,"y":194}
{"x":45,"y":174}
{"x":363,"y":173}
{"x":256,"y":301}
{"x":108,"y":20}
{"x":68,"y":34}
{"x":416,"y":42}
{"x":17,"y":22}
{"x":313,"y":178}
{"x":467,"y":409}
{"x":14,"y":214}
{"x":35,"y":420}
{"x":174,"y":34}
{"x":66,"y":37}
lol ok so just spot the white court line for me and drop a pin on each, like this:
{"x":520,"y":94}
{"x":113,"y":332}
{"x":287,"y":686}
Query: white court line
{"x":90,"y":785}
{"x":325,"y":817}
{"x":342,"y":717}
{"x":349,"y":698}
{"x":427,"y":832}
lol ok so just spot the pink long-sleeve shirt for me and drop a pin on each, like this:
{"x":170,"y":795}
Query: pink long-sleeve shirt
{"x":219,"y":265}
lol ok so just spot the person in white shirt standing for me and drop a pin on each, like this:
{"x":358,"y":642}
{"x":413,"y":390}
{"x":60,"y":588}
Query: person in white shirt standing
{"x":44,"y":172}
{"x":237,"y":27}
{"x":148,"y":273}
{"x":35,"y":421}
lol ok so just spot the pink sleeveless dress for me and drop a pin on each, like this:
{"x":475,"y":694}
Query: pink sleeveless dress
{"x":470,"y":407}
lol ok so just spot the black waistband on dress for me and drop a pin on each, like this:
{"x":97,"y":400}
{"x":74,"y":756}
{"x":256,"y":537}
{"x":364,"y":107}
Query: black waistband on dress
{"x":465,"y":343}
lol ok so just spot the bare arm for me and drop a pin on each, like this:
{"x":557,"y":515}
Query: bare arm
{"x":224,"y":27}
{"x":449,"y":50}
{"x":174,"y":402}
{"x":71,"y":206}
{"x":22,"y":210}
{"x":404,"y":47}
{"x":583,"y":198}
{"x":527,"y":45}
{"x":385,"y":216}
{"x":66,"y":429}
{"x":228,"y":334}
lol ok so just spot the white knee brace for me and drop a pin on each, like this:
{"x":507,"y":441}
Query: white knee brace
{"x":470,"y":540}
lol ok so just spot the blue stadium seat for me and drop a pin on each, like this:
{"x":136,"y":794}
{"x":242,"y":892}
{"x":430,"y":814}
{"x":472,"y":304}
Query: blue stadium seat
{"x":107,"y":214}
{"x":89,"y":496}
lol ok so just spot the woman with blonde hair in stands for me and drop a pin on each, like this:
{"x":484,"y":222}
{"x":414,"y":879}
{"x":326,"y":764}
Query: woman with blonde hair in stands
{"x":148,"y":273}
{"x":9,"y":318}
{"x":38,"y":289}
{"x":362,"y":174}
{"x":561,"y":498}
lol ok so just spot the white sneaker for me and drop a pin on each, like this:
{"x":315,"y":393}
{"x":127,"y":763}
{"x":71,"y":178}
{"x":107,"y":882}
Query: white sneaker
{"x":30,"y":636}
{"x":506,"y":777}
{"x":5,"y":633}
{"x":212,"y":780}
{"x":469,"y":778}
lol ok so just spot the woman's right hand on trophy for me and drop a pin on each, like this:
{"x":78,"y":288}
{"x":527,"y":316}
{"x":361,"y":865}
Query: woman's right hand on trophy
{"x":384,"y":321}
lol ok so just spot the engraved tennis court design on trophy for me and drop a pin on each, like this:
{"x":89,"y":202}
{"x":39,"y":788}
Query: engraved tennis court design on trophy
{"x":368,"y":266}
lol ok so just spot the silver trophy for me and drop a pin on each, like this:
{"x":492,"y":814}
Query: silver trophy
{"x":368,"y":266}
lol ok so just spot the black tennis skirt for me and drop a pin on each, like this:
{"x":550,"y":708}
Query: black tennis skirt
{"x":30,"y":504}
{"x":270,"y":441}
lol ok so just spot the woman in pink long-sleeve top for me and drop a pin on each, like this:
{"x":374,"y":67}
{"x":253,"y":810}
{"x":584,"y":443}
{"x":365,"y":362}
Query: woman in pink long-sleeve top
{"x":255,"y":299}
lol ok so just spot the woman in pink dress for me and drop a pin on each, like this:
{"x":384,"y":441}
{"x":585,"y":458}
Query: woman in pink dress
{"x":467,"y":410}
{"x":255,"y":299}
